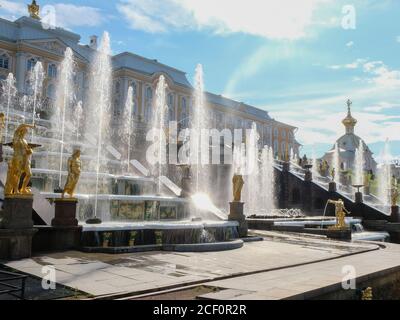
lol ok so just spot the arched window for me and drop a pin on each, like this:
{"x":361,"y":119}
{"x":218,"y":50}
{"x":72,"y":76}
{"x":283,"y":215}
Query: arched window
{"x":31,"y":64}
{"x":134,"y":88}
{"x":52,"y":71}
{"x":276,"y":132}
{"x":4,"y":61}
{"x":117,"y":87}
{"x":284,"y":134}
{"x":276,"y":147}
{"x":149,"y":93}
{"x":51,"y":91}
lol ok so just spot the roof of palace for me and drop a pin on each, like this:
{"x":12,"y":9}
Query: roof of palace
{"x":238,"y":106}
{"x":33,"y":32}
{"x":133,"y":61}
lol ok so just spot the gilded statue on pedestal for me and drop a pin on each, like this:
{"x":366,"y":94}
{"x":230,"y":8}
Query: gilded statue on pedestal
{"x":238,"y":183}
{"x":74,"y":172}
{"x":333,"y":174}
{"x":340,"y":213}
{"x":20,"y":164}
{"x":2,"y":125}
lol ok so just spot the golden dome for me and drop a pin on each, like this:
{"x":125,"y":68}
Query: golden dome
{"x":349,"y":122}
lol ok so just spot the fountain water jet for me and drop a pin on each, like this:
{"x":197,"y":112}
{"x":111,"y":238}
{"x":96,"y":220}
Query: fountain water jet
{"x":127,"y":128}
{"x":65,"y":97}
{"x":200,"y":145}
{"x":336,"y":164}
{"x":385,"y":175}
{"x":97,"y":117}
{"x":78,"y":118}
{"x":36,"y":78}
{"x":359,"y":164}
{"x":10,"y":92}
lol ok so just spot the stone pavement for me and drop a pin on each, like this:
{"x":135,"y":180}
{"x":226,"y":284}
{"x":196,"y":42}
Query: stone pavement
{"x":135,"y":273}
{"x":307,"y":281}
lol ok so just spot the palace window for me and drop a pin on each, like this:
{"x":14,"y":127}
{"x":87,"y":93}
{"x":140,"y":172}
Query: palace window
{"x":284,"y":134}
{"x":4,"y":61}
{"x":134,"y":88}
{"x":31,"y":64}
{"x":276,"y":132}
{"x":149,"y":93}
{"x":52,"y":71}
{"x":50,"y":91}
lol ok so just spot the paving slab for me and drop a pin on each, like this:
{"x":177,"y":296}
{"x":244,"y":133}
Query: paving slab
{"x":106,"y":274}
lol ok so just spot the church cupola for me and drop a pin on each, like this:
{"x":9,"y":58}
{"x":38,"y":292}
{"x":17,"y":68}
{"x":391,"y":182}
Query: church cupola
{"x":349,"y":122}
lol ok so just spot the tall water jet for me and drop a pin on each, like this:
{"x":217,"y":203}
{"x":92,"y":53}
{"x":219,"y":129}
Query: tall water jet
{"x":127,"y":127}
{"x":24,"y":103}
{"x":77,"y":119}
{"x":314,"y":170}
{"x":199,"y":143}
{"x":64,"y":100}
{"x":267,"y":185}
{"x":36,"y":78}
{"x":336,"y":163}
{"x":97,"y":116}
{"x":359,"y":164}
{"x":9,"y":92}
{"x":158,"y":131}
{"x":253,"y":174}
{"x":385,"y":175}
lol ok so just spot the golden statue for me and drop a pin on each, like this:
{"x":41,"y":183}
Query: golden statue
{"x":366,"y":294}
{"x":74,"y":172}
{"x":2,"y":125}
{"x":394,"y":196}
{"x":333,"y":174}
{"x":20,"y":164}
{"x":33,"y":10}
{"x":340,"y":213}
{"x":238,"y":183}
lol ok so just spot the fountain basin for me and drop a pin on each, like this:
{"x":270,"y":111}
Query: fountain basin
{"x":121,"y":237}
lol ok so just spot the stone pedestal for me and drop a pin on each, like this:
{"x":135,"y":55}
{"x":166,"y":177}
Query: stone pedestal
{"x":17,"y":212}
{"x":395,"y":214}
{"x":359,"y":197}
{"x":65,"y":213}
{"x":16,"y":227}
{"x":16,"y":243}
{"x":286,"y":166}
{"x":236,"y":214}
{"x":340,"y":234}
{"x":308,"y":176}
{"x":332,"y":186}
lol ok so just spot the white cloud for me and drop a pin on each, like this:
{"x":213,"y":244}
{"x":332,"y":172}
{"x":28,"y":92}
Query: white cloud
{"x":353,"y":65}
{"x":398,"y":39}
{"x":12,"y":10}
{"x":381,"y":106}
{"x":350,"y":44}
{"x":381,"y":74}
{"x":66,"y":15}
{"x":69,"y":15}
{"x":284,"y":19}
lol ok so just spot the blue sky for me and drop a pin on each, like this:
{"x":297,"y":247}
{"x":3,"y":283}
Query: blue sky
{"x":290,"y":57}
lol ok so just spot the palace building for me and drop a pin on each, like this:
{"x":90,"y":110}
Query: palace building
{"x":27,"y":40}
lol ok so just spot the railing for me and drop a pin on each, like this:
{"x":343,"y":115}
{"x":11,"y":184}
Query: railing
{"x":12,"y":289}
